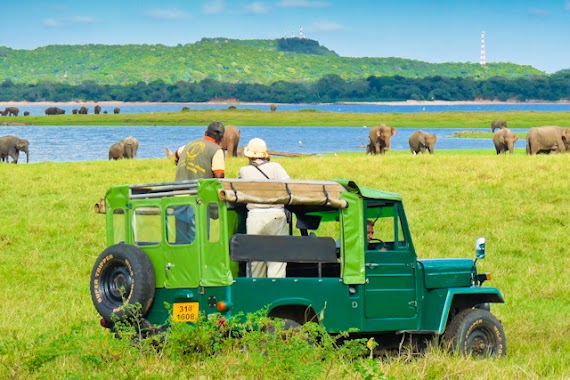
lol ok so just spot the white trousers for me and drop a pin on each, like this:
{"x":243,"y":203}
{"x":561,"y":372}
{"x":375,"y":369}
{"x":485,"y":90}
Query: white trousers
{"x":267,"y":222}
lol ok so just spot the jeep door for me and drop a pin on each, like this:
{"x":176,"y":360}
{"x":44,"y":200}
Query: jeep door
{"x":390,"y":262}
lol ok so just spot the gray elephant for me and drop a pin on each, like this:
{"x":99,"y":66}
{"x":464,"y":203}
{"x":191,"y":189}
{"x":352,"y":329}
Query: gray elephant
{"x":498,"y":124}
{"x":420,"y":141}
{"x":273,"y":107}
{"x":12,"y":111}
{"x":26,"y":113}
{"x":97,"y":109}
{"x":117,"y":151}
{"x":54,"y":111}
{"x":379,"y":136}
{"x":230,"y":140}
{"x":547,"y":139}
{"x":10,"y":146}
{"x":116,"y":110}
{"x":131,"y":146}
{"x":83,"y":110}
{"x":504,"y":140}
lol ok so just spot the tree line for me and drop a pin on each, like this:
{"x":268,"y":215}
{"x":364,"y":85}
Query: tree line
{"x":330,"y":88}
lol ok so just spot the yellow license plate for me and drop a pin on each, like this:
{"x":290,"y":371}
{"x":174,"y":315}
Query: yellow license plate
{"x":185,"y":312}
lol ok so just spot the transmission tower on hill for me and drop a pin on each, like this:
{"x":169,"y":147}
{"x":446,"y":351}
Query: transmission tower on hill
{"x":482,"y":61}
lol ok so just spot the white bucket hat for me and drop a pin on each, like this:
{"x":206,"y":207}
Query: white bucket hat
{"x":256,"y":149}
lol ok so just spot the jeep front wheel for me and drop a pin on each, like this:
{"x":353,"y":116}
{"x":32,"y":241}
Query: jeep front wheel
{"x":476,"y":332}
{"x":122,"y":275}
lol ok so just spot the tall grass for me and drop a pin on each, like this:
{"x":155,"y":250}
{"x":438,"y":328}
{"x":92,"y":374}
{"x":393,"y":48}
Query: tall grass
{"x":50,"y":238}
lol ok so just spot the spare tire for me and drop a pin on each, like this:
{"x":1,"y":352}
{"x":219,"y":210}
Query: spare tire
{"x":122,"y":275}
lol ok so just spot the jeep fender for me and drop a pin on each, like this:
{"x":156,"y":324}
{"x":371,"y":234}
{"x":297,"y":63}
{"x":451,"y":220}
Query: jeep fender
{"x":299,"y":310}
{"x":465,"y":298}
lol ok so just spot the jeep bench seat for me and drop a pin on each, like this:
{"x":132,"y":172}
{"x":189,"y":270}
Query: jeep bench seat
{"x":295,"y":249}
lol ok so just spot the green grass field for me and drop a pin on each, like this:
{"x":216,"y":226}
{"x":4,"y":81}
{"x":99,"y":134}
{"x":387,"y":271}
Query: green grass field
{"x":50,"y":238}
{"x":241,"y":117}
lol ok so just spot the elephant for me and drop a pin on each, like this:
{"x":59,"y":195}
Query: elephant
{"x":420,"y":141}
{"x":11,"y":146}
{"x":547,"y":139}
{"x":12,"y":111}
{"x":4,"y":113}
{"x":74,"y":111}
{"x":83,"y":110}
{"x":230,"y":140}
{"x":505,"y":140}
{"x":273,"y":107}
{"x":116,"y":110}
{"x":54,"y":111}
{"x":97,"y":109}
{"x":26,"y":113}
{"x":380,"y":139}
{"x":131,"y":146}
{"x":117,"y":151}
{"x":498,"y":124}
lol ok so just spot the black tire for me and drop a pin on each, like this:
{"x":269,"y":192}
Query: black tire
{"x":119,"y":267}
{"x":476,"y":332}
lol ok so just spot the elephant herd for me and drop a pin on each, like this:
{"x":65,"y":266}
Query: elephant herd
{"x":81,"y":111}
{"x":539,"y":140}
{"x":12,"y":111}
{"x":15,"y":111}
{"x":381,"y":135}
{"x":126,"y":148}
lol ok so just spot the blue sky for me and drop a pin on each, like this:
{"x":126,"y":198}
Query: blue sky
{"x":526,"y":32}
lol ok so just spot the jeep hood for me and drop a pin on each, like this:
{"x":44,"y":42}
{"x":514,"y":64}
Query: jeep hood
{"x":447,"y":273}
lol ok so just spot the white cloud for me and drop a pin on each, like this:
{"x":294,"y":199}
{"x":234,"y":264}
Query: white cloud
{"x":214,"y":6}
{"x":302,"y":4}
{"x":257,"y":8}
{"x":66,"y":21}
{"x":326,"y":26}
{"x":538,"y":12}
{"x":167,"y":14}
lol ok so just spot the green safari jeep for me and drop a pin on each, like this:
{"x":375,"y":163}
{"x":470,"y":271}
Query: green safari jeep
{"x":184,"y":245}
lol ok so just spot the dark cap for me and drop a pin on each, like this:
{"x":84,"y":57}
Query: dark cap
{"x":216,"y":129}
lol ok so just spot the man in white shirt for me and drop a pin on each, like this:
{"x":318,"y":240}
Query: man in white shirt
{"x":264,"y":219}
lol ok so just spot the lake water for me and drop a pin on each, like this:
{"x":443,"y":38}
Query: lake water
{"x":87,"y":143}
{"x":358,"y":108}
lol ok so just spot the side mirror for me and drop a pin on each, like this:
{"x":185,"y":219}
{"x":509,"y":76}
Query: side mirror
{"x":480,"y":248}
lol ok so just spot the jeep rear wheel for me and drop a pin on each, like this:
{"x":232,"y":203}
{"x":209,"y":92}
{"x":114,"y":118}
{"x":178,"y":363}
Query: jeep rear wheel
{"x":476,"y":332}
{"x":122,"y":275}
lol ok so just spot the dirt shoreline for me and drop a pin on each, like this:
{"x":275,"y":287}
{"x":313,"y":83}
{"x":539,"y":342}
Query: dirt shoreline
{"x":118,"y":103}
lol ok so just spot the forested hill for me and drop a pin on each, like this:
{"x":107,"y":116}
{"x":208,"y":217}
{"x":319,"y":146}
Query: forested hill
{"x":224,"y":60}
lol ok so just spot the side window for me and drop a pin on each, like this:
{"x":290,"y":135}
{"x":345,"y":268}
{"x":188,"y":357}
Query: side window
{"x":180,"y":225}
{"x":119,"y":233}
{"x":401,"y":237}
{"x":146,"y":226}
{"x":384,"y":228}
{"x":213,"y":223}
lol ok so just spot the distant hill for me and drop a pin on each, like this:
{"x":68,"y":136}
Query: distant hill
{"x":225,"y":60}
